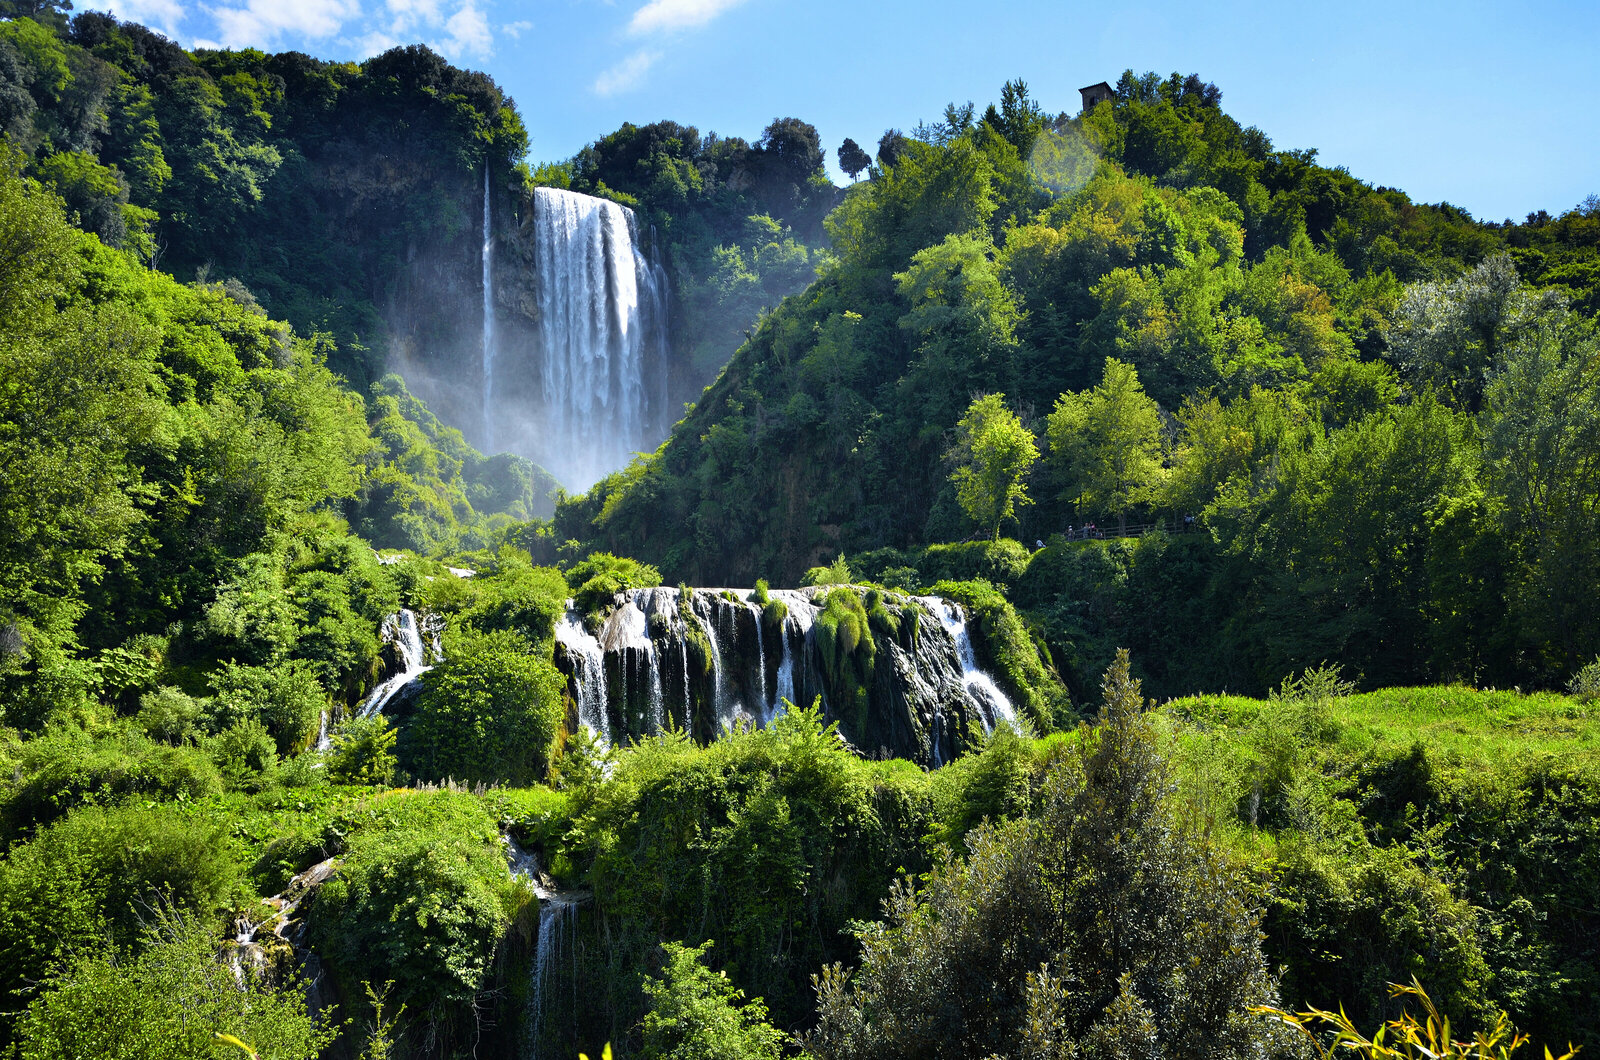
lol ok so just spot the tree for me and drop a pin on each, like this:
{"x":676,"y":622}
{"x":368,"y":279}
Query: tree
{"x":1109,"y":925}
{"x":1106,"y":444}
{"x":695,"y":1014}
{"x":852,"y":159}
{"x":890,"y":146}
{"x":992,"y":454}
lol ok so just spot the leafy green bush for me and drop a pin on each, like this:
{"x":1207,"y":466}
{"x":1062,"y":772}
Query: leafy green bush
{"x":695,"y":1014}
{"x":68,"y":767}
{"x":243,"y":751}
{"x":361,"y":751}
{"x":835,"y":573}
{"x":1000,"y":562}
{"x":171,"y":715}
{"x":169,"y":1002}
{"x":520,"y":598}
{"x":97,"y":876}
{"x":599,"y":577}
{"x":489,"y":714}
{"x":1585,"y":684}
{"x":422,"y":898}
{"x":287,"y":698}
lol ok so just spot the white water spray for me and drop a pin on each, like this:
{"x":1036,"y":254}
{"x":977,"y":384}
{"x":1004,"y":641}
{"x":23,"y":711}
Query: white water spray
{"x":601,"y":317}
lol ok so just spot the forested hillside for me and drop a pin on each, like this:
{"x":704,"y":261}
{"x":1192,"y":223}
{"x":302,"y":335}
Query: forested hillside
{"x":316,"y":741}
{"x":1378,"y":417}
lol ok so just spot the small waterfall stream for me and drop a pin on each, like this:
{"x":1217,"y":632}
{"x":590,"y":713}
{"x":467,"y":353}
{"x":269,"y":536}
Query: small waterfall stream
{"x":589,"y":659}
{"x":979,"y":684}
{"x":558,"y":934}
{"x":403,"y":630}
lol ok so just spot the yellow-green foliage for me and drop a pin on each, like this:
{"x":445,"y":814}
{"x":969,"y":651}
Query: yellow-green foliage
{"x":1408,"y":1038}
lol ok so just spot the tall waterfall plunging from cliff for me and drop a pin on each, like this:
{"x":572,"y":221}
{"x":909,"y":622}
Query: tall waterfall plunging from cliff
{"x":584,"y":389}
{"x":488,"y":318}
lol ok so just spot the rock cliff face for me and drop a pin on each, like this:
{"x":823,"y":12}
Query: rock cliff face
{"x":899,"y":677}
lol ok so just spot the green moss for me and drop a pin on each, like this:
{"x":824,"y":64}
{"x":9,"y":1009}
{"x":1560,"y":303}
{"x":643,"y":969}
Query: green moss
{"x":843,"y":636}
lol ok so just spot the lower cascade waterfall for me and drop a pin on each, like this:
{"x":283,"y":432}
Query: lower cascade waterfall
{"x":710,"y":660}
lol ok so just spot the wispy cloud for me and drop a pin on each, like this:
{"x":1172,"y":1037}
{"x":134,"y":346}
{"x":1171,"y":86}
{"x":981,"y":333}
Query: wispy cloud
{"x":626,"y":74}
{"x":262,"y":22}
{"x":666,"y":15}
{"x":515,"y":30}
{"x":165,"y":16}
{"x":468,"y":33}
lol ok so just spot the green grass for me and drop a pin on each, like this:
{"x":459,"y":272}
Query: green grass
{"x":1462,"y":726}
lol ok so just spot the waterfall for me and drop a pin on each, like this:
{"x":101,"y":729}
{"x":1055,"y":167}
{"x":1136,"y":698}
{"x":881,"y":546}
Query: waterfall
{"x":488,"y":321}
{"x":601,"y":333}
{"x":558,"y":931}
{"x":403,"y":631}
{"x":657,"y":704}
{"x":785,"y":692}
{"x":764,"y":705}
{"x":589,"y":677}
{"x":993,"y":702}
{"x":928,"y":689}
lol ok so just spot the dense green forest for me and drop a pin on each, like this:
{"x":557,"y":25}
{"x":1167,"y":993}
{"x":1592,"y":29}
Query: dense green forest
{"x":1338,"y":451}
{"x":1378,"y":417}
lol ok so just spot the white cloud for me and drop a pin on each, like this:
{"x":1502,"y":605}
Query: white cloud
{"x":261,"y":22}
{"x":626,"y":74}
{"x":660,"y":15}
{"x":469,"y":34}
{"x":515,"y":30}
{"x":163,"y":16}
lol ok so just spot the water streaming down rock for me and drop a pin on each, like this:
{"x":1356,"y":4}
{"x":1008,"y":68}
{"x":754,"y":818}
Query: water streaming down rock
{"x":404,"y":632}
{"x":981,"y":685}
{"x":558,"y":930}
{"x":587,"y":659}
{"x":591,"y":390}
{"x":707,"y":665}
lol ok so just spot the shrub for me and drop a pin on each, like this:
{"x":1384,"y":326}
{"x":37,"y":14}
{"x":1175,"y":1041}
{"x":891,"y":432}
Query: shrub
{"x":522,"y":599}
{"x":286,"y":698}
{"x":695,"y":1014}
{"x":601,"y":576}
{"x":490,"y":715}
{"x":243,"y":751}
{"x":171,"y":715}
{"x":1585,"y":684}
{"x":1000,"y":562}
{"x":67,"y":767}
{"x":96,"y":876}
{"x":169,"y":1001}
{"x":835,"y":573}
{"x":421,"y":898}
{"x":361,"y":751}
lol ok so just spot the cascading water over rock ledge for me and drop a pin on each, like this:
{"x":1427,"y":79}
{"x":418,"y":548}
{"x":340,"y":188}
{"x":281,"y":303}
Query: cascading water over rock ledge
{"x":707,"y":660}
{"x":584,"y":388}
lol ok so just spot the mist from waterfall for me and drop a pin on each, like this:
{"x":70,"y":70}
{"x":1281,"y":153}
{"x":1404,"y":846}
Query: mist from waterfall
{"x":488,"y":317}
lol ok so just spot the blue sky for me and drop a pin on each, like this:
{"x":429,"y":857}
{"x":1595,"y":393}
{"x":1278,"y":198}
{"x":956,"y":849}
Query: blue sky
{"x":1490,"y":106}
